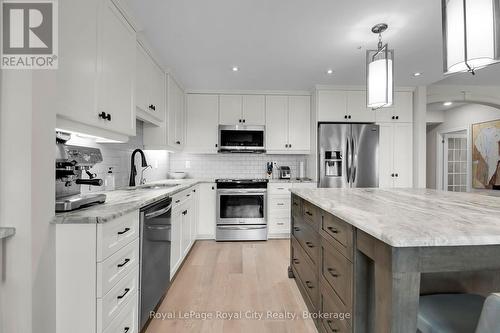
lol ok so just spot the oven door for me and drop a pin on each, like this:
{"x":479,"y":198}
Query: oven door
{"x":241,"y":206}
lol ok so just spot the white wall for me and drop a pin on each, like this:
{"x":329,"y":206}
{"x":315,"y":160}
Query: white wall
{"x":458,"y":118}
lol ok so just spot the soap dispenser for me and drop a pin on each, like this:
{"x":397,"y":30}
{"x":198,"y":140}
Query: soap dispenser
{"x":109,"y":181}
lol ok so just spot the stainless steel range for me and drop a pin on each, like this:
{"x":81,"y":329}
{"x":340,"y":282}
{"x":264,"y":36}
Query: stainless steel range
{"x":241,"y":209}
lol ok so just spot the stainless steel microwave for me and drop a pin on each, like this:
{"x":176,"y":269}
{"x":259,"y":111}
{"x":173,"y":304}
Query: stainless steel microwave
{"x":242,"y":139}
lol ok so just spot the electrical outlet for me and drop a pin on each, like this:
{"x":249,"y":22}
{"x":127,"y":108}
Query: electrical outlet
{"x":188,"y":164}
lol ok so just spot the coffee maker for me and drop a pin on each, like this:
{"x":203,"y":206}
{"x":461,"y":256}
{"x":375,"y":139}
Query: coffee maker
{"x":71,"y":162}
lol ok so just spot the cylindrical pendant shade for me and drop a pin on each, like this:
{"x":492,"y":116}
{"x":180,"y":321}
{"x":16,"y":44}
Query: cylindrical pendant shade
{"x":471,"y":34}
{"x":379,"y":78}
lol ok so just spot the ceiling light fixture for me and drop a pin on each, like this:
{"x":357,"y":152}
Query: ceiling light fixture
{"x":329,"y":71}
{"x":380,"y":72}
{"x":417,"y":74}
{"x":235,"y":68}
{"x":471,"y":38}
{"x":447,"y":103}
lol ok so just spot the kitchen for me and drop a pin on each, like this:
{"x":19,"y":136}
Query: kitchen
{"x":206,"y":178}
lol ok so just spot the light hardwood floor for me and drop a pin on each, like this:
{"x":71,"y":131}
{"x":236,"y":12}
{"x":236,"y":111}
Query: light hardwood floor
{"x":233,"y":277}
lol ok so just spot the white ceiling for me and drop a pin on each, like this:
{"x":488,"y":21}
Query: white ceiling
{"x":289,"y":44}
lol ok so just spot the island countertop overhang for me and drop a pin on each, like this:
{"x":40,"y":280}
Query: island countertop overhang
{"x":413,"y":217}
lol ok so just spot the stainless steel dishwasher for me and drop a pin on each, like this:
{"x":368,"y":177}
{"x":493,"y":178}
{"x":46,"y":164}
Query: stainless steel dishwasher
{"x":155,"y":241}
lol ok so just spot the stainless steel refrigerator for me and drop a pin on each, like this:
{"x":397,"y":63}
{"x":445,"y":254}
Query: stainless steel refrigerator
{"x":348,"y":155}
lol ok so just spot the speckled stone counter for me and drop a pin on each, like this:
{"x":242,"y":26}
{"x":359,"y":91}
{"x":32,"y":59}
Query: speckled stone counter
{"x":414,"y":217}
{"x":293,"y":180}
{"x":7,"y":232}
{"x":123,"y":201}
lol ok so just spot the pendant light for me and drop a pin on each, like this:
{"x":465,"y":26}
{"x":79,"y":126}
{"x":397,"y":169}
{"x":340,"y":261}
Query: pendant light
{"x":471,"y":33}
{"x":380,"y":72}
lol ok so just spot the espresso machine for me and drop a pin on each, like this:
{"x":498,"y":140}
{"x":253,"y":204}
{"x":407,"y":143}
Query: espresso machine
{"x":71,"y":163}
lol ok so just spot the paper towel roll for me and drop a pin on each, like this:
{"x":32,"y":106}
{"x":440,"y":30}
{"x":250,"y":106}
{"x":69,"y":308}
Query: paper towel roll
{"x":302,"y":171}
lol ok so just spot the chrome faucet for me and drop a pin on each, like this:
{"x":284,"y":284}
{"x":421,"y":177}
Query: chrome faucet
{"x":133,"y":170}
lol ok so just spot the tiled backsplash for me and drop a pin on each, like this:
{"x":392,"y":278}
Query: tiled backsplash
{"x":232,"y":165}
{"x":117,"y":155}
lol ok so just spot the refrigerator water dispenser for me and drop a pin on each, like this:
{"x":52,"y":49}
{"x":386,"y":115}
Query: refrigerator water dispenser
{"x":333,"y":164}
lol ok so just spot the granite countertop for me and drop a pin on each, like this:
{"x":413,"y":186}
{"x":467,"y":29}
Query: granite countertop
{"x":125,"y":200}
{"x":7,"y":232}
{"x":293,"y":180}
{"x":414,"y":217}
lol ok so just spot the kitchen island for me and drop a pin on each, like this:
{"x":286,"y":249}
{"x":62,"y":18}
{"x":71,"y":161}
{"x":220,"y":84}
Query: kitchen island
{"x":365,"y":252}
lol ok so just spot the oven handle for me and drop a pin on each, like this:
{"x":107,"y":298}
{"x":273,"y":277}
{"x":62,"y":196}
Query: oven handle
{"x":240,"y":228}
{"x":245,"y":191}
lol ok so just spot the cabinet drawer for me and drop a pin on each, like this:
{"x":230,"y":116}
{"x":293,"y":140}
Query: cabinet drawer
{"x":337,"y":271}
{"x":279,"y":188}
{"x":308,"y":238}
{"x":340,"y":320}
{"x":338,"y":232}
{"x":279,"y":203}
{"x":296,"y":206}
{"x":115,"y":234}
{"x":311,"y":214}
{"x":127,"y":321}
{"x":115,"y":300}
{"x":279,"y":224}
{"x":307,"y":277}
{"x":113,"y":269}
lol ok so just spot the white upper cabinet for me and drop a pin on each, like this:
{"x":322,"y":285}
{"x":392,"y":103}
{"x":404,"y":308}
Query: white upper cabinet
{"x":356,"y":108}
{"x":116,"y":70}
{"x":395,"y":155}
{"x":401,"y":111}
{"x":332,"y":105}
{"x":230,"y":109}
{"x":96,"y":75}
{"x":242,"y":109}
{"x":150,"y":88}
{"x":288,"y":121}
{"x":254,"y":109}
{"x":202,"y":129}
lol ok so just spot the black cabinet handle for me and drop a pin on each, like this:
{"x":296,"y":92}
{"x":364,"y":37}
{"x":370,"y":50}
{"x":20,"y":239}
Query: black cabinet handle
{"x":345,"y":117}
{"x":397,"y":117}
{"x":105,"y":116}
{"x":244,"y":120}
{"x":309,"y":285}
{"x":392,"y":175}
{"x":397,"y":175}
{"x":309,"y":245}
{"x":240,"y":120}
{"x":309,"y":213}
{"x":296,"y":228}
{"x":332,"y":272}
{"x":194,"y":191}
{"x":393,"y":117}
{"x":177,"y":201}
{"x":124,"y":231}
{"x":216,"y":145}
{"x":184,"y":212}
{"x":188,"y":195}
{"x":296,"y":261}
{"x":295,"y":204}
{"x":177,"y":142}
{"x":333,"y":230}
{"x":349,"y":117}
{"x":213,"y":188}
{"x":126,"y":329}
{"x":123,"y":263}
{"x":289,"y":145}
{"x":333,"y":329}
{"x":125,"y":293}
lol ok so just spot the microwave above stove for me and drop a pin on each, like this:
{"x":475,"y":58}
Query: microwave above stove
{"x":241,"y":139}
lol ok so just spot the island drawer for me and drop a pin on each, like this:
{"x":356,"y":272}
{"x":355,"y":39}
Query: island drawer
{"x":339,"y":233}
{"x":306,"y":275}
{"x":338,"y":318}
{"x":115,"y":234}
{"x":337,"y":272}
{"x":308,"y":239}
{"x":311,"y":214}
{"x":127,"y":320}
{"x":296,"y":206}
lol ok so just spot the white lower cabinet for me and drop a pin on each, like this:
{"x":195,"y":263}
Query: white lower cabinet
{"x":97,"y":276}
{"x":207,"y":196}
{"x":396,"y":155}
{"x":279,"y":207}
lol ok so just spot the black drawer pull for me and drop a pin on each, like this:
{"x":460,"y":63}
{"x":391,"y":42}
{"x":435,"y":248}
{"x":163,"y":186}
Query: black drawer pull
{"x":177,"y":201}
{"x":333,"y":272}
{"x":126,"y":329}
{"x":332,"y":229}
{"x":125,"y":293}
{"x":295,"y":203}
{"x":296,"y":261}
{"x":309,"y":213}
{"x":280,"y":204}
{"x":309,"y":244}
{"x":184,"y":212}
{"x":296,"y":229}
{"x":309,"y":285}
{"x":333,"y":329}
{"x":187,"y":195}
{"x":124,"y":231}
{"x":123,"y":263}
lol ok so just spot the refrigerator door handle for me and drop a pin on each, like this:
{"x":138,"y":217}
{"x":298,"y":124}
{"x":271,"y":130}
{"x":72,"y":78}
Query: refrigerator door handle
{"x":347,"y":159}
{"x":354,"y":161}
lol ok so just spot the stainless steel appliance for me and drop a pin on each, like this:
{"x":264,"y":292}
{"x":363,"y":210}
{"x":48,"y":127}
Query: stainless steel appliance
{"x":155,"y":242}
{"x":71,"y":161}
{"x":241,"y":209}
{"x":284,"y":172}
{"x":241,"y":139}
{"x":348,"y":155}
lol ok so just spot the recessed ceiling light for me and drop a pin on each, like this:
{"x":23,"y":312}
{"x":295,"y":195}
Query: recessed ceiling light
{"x":447,"y":103}
{"x":235,"y":68}
{"x":417,"y":74}
{"x":329,"y":71}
